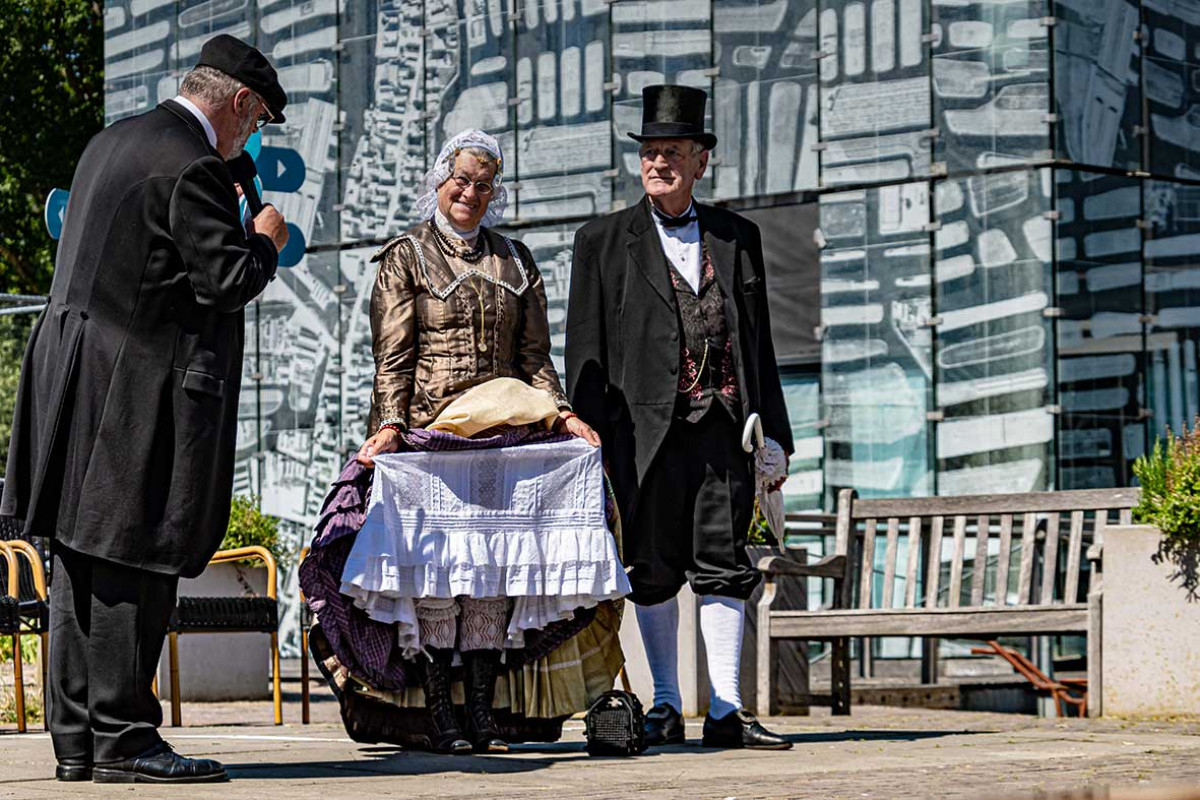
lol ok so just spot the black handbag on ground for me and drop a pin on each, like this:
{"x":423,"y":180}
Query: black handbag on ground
{"x":616,"y":725}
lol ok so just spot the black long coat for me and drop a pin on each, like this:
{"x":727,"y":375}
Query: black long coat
{"x":622,"y":348}
{"x":126,"y":418}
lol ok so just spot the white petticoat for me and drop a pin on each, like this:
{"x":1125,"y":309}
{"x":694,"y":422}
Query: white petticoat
{"x":524,"y":522}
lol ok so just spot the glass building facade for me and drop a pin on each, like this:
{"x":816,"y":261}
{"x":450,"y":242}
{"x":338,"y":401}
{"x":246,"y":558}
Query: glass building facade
{"x":981,"y":216}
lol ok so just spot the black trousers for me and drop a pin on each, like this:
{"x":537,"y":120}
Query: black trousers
{"x":107,"y":625}
{"x":693,"y":514}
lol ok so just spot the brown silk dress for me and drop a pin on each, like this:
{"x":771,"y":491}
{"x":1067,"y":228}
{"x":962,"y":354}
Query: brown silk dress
{"x":441,"y":325}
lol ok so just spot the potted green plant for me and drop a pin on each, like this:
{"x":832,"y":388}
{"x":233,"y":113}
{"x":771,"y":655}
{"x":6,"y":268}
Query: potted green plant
{"x":1169,"y":477}
{"x":229,"y":666}
{"x":1149,"y":620}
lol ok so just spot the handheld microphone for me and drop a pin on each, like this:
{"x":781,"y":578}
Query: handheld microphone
{"x":243,"y":170}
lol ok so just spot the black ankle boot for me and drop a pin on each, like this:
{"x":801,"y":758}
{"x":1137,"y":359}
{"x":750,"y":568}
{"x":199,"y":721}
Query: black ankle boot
{"x":482,"y":666}
{"x":446,"y":737}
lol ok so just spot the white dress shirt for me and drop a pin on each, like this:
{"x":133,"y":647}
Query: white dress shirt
{"x":199,"y":115}
{"x":682,"y":246}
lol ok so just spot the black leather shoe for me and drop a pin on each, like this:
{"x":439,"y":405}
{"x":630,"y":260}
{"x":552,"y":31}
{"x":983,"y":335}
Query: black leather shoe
{"x":160,"y":764}
{"x":664,"y":725}
{"x":71,"y":770}
{"x":741,"y":729}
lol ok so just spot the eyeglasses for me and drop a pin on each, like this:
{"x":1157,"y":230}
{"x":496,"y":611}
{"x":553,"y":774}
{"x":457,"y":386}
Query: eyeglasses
{"x":264,"y":119}
{"x":482,"y":188}
{"x":671,"y":153}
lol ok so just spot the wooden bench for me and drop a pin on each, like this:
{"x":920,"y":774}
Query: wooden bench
{"x":891,"y":576}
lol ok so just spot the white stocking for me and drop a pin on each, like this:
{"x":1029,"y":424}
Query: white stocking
{"x":722,"y":620}
{"x":659,"y":625}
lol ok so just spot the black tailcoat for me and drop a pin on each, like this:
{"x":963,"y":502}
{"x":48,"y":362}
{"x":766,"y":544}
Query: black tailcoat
{"x":126,"y":419}
{"x":622,"y":348}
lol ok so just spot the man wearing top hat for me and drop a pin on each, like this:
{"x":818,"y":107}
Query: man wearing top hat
{"x":126,"y":419}
{"x":668,"y":351}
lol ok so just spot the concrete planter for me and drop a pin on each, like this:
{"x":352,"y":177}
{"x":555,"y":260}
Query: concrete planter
{"x":1150,"y":643}
{"x":221,"y":666}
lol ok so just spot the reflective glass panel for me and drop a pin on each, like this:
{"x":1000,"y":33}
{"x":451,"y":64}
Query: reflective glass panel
{"x":991,"y":82}
{"x":765,"y":100}
{"x":1097,"y":82}
{"x":876,"y":348}
{"x":1172,"y":291}
{"x":875,"y":103}
{"x":1100,"y":337}
{"x":993,"y":281}
{"x":564,"y":117}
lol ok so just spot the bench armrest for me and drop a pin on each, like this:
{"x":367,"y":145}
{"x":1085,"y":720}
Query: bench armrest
{"x":1096,"y":552}
{"x":828,"y":567}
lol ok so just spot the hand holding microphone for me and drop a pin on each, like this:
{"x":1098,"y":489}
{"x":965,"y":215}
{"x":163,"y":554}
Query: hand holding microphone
{"x":267,"y":220}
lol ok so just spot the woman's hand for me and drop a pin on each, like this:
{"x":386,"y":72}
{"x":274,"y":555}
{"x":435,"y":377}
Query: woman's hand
{"x":386,"y":441}
{"x":573,"y":425}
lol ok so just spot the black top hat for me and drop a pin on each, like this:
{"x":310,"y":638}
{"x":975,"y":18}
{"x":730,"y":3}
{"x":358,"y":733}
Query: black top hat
{"x":241,"y":61}
{"x":674,"y":112}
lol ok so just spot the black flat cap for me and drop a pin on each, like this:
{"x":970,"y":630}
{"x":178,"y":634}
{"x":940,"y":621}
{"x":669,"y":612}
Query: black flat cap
{"x":674,"y":112}
{"x":241,"y":61}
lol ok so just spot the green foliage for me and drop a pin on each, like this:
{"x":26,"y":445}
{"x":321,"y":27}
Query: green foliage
{"x":51,"y":104}
{"x":29,"y":649}
{"x":33,"y":698}
{"x":1169,"y":477}
{"x":760,"y":532}
{"x":248,"y":527}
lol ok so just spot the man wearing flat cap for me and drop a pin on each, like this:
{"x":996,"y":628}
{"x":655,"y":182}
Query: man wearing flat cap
{"x":126,"y":420}
{"x":668,"y":352}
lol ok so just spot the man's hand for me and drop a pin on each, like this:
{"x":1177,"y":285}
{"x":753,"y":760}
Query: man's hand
{"x":270,"y":222}
{"x":386,"y":441}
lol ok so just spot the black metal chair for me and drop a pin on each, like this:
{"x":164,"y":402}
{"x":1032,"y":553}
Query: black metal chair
{"x":228,"y":615}
{"x":24,"y":609}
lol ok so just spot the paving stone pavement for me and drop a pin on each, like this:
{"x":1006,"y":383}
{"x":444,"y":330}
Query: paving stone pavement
{"x":876,"y":753}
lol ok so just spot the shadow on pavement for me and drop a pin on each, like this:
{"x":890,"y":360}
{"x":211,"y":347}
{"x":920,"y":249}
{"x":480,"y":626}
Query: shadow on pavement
{"x":873,"y":736}
{"x":387,"y":760}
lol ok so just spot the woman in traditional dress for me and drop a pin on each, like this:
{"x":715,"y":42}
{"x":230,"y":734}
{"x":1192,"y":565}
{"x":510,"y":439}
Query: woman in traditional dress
{"x":455,"y":306}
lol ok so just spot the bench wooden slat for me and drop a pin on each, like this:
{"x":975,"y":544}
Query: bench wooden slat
{"x":889,"y":562}
{"x":867,"y":571}
{"x":1050,"y":559}
{"x":1074,"y":552}
{"x":1036,"y":502}
{"x":1126,"y":516}
{"x":914,"y":562}
{"x":934,"y":579}
{"x":843,"y":537}
{"x":979,"y":576}
{"x":1006,"y":522}
{"x":956,"y":564}
{"x":941,"y":622}
{"x":1025,"y":581}
{"x":829,"y":567}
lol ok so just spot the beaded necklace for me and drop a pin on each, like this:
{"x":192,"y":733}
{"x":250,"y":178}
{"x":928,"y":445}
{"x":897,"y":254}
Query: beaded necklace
{"x":471,"y":255}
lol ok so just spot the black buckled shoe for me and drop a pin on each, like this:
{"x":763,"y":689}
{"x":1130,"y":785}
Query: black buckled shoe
{"x":664,"y":725}
{"x":741,"y":729}
{"x":160,"y":764}
{"x":71,"y":770}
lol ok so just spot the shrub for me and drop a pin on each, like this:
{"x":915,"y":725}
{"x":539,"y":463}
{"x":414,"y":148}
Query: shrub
{"x":249,"y":526}
{"x":1169,"y":477}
